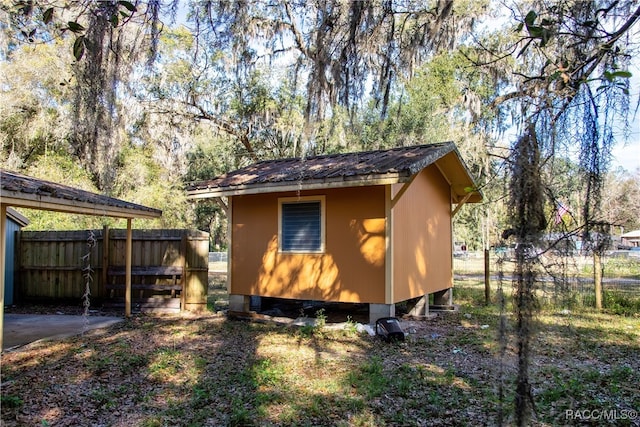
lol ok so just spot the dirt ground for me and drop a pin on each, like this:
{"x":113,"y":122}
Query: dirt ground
{"x":208,"y":369}
{"x":155,"y":370}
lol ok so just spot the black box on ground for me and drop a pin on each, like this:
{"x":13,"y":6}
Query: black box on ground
{"x":389,"y":329}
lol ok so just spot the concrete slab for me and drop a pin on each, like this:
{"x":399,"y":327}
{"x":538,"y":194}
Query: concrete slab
{"x":22,"y":329}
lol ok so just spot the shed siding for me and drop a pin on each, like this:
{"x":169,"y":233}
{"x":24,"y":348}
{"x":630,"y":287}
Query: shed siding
{"x":9,"y":273}
{"x":421,"y":236}
{"x":352,"y":268}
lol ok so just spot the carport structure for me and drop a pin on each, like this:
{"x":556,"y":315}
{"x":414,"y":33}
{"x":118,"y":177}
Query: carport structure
{"x":27,"y":192}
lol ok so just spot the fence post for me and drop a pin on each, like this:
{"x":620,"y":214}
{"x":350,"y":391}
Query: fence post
{"x":127,"y":264}
{"x":105,"y":254}
{"x":597,"y":278}
{"x":183,"y":278}
{"x":487,"y":289}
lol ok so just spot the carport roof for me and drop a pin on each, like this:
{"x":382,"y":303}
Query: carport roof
{"x":379,"y":167}
{"x":27,"y":192}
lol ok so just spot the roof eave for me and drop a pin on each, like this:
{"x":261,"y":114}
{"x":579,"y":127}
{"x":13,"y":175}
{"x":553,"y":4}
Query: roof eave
{"x":17,"y":217}
{"x":285,"y":186}
{"x":462,"y":188}
{"x":36,"y":201}
{"x":476,"y":197}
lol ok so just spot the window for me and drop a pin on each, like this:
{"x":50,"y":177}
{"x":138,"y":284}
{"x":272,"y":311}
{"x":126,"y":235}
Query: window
{"x":301,"y":224}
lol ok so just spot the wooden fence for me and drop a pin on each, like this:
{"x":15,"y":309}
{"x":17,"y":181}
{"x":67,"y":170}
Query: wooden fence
{"x":51,"y":265}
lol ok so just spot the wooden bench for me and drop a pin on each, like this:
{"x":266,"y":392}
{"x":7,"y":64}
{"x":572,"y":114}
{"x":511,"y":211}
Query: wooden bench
{"x":173,"y":274}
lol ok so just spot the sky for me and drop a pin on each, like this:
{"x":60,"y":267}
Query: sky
{"x":627,"y":155}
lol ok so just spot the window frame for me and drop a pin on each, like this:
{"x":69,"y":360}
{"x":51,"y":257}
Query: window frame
{"x":302,"y":199}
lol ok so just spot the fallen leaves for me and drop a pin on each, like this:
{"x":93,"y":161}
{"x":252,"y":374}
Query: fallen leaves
{"x":207,"y":370}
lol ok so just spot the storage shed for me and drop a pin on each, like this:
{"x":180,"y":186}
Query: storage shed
{"x":14,"y":222}
{"x":369,"y":227}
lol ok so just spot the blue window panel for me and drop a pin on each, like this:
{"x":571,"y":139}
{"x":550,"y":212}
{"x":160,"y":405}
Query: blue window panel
{"x":301,"y":227}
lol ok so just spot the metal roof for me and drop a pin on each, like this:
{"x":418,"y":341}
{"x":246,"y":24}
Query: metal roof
{"x":27,"y":192}
{"x":631,"y":234}
{"x":377,"y":167}
{"x":17,"y":217}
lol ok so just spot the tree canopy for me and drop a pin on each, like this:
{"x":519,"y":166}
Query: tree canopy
{"x":137,"y":98}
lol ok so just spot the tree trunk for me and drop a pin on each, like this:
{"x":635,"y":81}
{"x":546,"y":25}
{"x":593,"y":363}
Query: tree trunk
{"x":525,"y":306}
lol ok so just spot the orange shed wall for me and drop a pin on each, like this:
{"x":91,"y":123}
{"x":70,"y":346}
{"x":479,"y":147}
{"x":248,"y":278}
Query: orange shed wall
{"x":422,"y":237}
{"x":352,"y":268}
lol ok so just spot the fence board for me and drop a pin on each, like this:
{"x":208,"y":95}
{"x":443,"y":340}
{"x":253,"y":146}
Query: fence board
{"x":50,"y":264}
{"x":197,"y":271}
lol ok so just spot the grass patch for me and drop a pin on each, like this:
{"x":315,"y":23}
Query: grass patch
{"x":165,"y":363}
{"x":621,"y":304}
{"x":369,"y":379}
{"x":217,"y":295}
{"x":165,"y":370}
{"x":11,"y":402}
{"x":622,"y":267}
